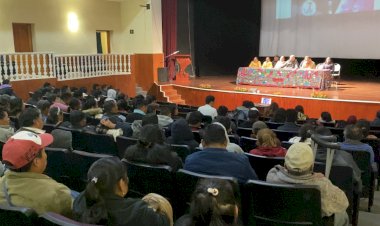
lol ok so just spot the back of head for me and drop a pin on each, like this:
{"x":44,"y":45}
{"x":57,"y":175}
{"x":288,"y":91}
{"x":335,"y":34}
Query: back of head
{"x":75,"y":104}
{"x":222,"y":110}
{"x":291,"y":115}
{"x":165,"y":111}
{"x":27,"y":117}
{"x":195,"y":117}
{"x":303,"y":132}
{"x":66,"y":96}
{"x":43,"y":105}
{"x":108,"y":106}
{"x":160,"y":205}
{"x":225,"y":121}
{"x":149,"y":119}
{"x":248,"y":104}
{"x":103,"y":177}
{"x":53,"y":115}
{"x":321,"y":130}
{"x":150,"y":99}
{"x":352,"y":119}
{"x":353,"y":132}
{"x":267,"y":138}
{"x":90,"y":102}
{"x":180,"y":131}
{"x":279,"y":116}
{"x":299,"y":108}
{"x":365,"y":126}
{"x":76,"y":118}
{"x":214,"y":202}
{"x":299,"y":159}
{"x":257,"y":126}
{"x":140,"y":103}
{"x":326,"y":116}
{"x":16,"y":105}
{"x":151,"y":134}
{"x":210,"y":99}
{"x":253,"y":115}
{"x":214,"y":134}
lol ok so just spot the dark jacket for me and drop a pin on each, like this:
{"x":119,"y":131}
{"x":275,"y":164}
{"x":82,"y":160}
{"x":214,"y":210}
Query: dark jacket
{"x":220,"y":162}
{"x":124,"y":212}
{"x":131,"y":117}
{"x":289,"y":127}
{"x":120,"y":124}
{"x":157,"y":154}
{"x":181,"y":134}
{"x":376,"y":122}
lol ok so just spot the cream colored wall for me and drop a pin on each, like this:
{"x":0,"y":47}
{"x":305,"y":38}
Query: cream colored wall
{"x":52,"y":35}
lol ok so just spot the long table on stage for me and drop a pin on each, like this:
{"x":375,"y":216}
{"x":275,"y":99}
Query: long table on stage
{"x":303,"y":78}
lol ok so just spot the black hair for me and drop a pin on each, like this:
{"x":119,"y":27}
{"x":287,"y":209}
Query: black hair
{"x":108,"y":106}
{"x":4,"y":101}
{"x":66,"y":96}
{"x":326,"y":116}
{"x":353,"y":132}
{"x":165,"y":111}
{"x":291,"y":115}
{"x":121,"y":96}
{"x":271,"y":110}
{"x":214,"y":202}
{"x":95,"y":86}
{"x":122,"y":104}
{"x":139,"y":103}
{"x":76,"y":117}
{"x":365,"y":125}
{"x":222,"y":110}
{"x":37,"y":95}
{"x":214,"y":134}
{"x":27,"y":117}
{"x":279,"y":116}
{"x":149,"y":119}
{"x":321,"y":130}
{"x":152,"y":108}
{"x":46,"y":84}
{"x":51,"y":97}
{"x":90,"y":102}
{"x":195,"y":117}
{"x":225,"y":121}
{"x":15,"y":105}
{"x":151,"y":133}
{"x":303,"y":131}
{"x":43,"y":105}
{"x":103,"y":177}
{"x":248,"y":104}
{"x":53,"y":115}
{"x":2,"y":112}
{"x":210,"y":99}
{"x":150,"y":99}
{"x":25,"y":168}
{"x":253,"y":115}
{"x":299,"y":108}
{"x":74,"y":104}
{"x":378,"y":114}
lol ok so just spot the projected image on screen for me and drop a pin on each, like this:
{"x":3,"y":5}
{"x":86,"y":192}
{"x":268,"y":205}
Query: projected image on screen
{"x":286,"y":9}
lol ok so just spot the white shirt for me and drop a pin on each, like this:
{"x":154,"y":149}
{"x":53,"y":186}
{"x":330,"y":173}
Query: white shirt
{"x":208,"y":110}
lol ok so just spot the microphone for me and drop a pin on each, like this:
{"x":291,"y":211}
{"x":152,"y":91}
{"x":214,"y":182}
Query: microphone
{"x":173,"y":53}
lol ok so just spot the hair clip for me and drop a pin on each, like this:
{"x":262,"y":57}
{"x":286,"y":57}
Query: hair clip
{"x":213,"y":191}
{"x":95,"y":180}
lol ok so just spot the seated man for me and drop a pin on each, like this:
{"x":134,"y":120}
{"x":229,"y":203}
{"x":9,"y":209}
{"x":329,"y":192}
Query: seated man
{"x":31,"y":120}
{"x":6,"y":130}
{"x":208,"y":108}
{"x":140,"y":110}
{"x":292,"y":63}
{"x":307,"y":63}
{"x":164,"y":118}
{"x":113,"y":120}
{"x":214,"y":159}
{"x":298,"y":169}
{"x":195,"y":120}
{"x":290,"y":123}
{"x":24,"y":184}
{"x":353,"y":134}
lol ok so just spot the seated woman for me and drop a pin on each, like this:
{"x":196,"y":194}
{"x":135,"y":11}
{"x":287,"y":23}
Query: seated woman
{"x":103,"y":202}
{"x":151,"y":149}
{"x":213,"y":203}
{"x":325,"y":118}
{"x":328,"y":64}
{"x":269,"y":111}
{"x":267,"y":63}
{"x":281,"y":63}
{"x":303,"y":134}
{"x":268,"y":144}
{"x":307,"y":63}
{"x":300,"y":113}
{"x":279,"y":116}
{"x":182,"y":134}
{"x":62,"y":138}
{"x":255,"y":63}
{"x":91,"y":108}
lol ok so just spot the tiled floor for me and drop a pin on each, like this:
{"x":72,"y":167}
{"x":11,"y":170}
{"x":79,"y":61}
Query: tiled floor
{"x":372,"y":218}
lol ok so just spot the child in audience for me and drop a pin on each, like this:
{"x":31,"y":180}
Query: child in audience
{"x":213,"y":203}
{"x":268,"y":144}
{"x":103,"y":202}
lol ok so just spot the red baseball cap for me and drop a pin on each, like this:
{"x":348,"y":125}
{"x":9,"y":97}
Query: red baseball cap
{"x":22,"y":148}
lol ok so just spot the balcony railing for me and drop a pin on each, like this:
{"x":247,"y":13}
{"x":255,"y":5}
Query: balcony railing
{"x":25,"y":66}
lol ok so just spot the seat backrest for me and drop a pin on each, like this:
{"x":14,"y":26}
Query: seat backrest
{"x":123,"y":143}
{"x":92,"y":121}
{"x":233,"y":139}
{"x":336,"y":71}
{"x":286,"y":144}
{"x":247,"y":143}
{"x":244,"y":132}
{"x":66,"y":117}
{"x":284,"y":135}
{"x":102,"y":144}
{"x":58,"y":164}
{"x":11,"y":216}
{"x":273,"y":125}
{"x":375,"y":144}
{"x":275,"y":204}
{"x":146,"y":178}
{"x":182,"y":150}
{"x":49,"y":127}
{"x":262,"y":164}
{"x":80,"y":138}
{"x":197,"y":136}
{"x":185,"y":183}
{"x":52,"y":219}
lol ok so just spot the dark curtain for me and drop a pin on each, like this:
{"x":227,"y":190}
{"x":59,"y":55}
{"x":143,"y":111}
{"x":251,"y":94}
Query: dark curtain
{"x":99,"y":43}
{"x":169,"y":32}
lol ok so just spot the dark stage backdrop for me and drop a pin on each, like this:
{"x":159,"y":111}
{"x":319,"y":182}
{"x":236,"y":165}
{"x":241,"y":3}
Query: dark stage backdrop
{"x":221,"y":36}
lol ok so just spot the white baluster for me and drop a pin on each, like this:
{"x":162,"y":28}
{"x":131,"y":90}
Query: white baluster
{"x":129,"y":63}
{"x":16,"y":67}
{"x":103,"y":64}
{"x":6,"y":64}
{"x":39,"y":65}
{"x":78,"y":67}
{"x":67,"y":72}
{"x":63,"y":76}
{"x":82,"y":66}
{"x":92,"y":66}
{"x":125,"y":63}
{"x":51,"y":65}
{"x":44,"y":64}
{"x":33,"y":66}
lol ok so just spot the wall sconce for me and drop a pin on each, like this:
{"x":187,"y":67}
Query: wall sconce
{"x":72,"y":22}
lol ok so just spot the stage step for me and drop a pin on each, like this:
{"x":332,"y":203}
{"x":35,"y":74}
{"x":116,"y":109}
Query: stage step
{"x":171,"y":94}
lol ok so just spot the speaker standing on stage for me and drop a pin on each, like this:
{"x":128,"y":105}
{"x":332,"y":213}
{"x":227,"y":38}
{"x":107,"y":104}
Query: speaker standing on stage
{"x":328,"y":64}
{"x":255,"y":63}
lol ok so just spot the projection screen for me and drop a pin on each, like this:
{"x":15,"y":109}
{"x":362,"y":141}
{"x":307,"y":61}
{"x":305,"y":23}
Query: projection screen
{"x":321,"y":28}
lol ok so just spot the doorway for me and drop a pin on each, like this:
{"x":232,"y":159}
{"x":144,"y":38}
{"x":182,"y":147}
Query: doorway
{"x":103,"y":42}
{"x":22,"y":37}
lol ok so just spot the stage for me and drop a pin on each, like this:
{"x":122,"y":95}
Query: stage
{"x":356,"y":97}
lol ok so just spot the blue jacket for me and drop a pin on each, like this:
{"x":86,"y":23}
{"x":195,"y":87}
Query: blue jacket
{"x":220,"y":162}
{"x":359,"y":146}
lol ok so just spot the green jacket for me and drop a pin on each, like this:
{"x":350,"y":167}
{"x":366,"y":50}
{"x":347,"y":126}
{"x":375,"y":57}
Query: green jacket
{"x":36,"y":191}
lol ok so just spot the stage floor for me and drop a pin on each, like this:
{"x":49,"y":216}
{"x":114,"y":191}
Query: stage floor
{"x":352,"y":91}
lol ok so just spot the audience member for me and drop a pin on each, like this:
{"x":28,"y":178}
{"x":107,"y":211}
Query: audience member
{"x":208,"y":108}
{"x":6,"y":88}
{"x":268,"y":144}
{"x":366,"y":127}
{"x":90,"y":107}
{"x":376,"y":121}
{"x":214,"y":202}
{"x":36,"y":96}
{"x":214,"y":159}
{"x":16,"y":106}
{"x":139,"y":111}
{"x":31,"y":120}
{"x":164,"y":118}
{"x":6,"y":130}
{"x":151,"y":149}
{"x":353,"y":134}
{"x":62,"y":102}
{"x":226,"y":123}
{"x":253,"y":116}
{"x":325,"y":118}
{"x":300,"y":113}
{"x":113,"y":120}
{"x":255,"y":63}
{"x":241,"y":112}
{"x":290,"y":123}
{"x":303,"y":134}
{"x":103,"y":202}
{"x":122,"y":106}
{"x":44,"y":106}
{"x":174,"y":111}
{"x":24,"y":184}
{"x":138,"y":124}
{"x":62,"y":138}
{"x":279,"y":116}
{"x":74,"y":105}
{"x":269,"y":111}
{"x":182,"y":134}
{"x":298,"y":169}
{"x":4,"y":101}
{"x":222,"y":110}
{"x":267,"y":63}
{"x":256,"y":127}
{"x":195,"y":121}
{"x":78,"y":121}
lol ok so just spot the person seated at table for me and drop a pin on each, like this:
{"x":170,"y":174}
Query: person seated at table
{"x":307,"y":63}
{"x":267,"y":63}
{"x":275,"y":60}
{"x":292,"y":63}
{"x":328,"y":64}
{"x":281,"y":63}
{"x":255,"y":63}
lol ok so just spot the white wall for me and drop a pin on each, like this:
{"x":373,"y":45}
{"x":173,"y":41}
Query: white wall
{"x":51,"y":34}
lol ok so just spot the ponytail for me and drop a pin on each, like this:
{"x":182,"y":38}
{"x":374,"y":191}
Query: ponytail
{"x":96,"y":212}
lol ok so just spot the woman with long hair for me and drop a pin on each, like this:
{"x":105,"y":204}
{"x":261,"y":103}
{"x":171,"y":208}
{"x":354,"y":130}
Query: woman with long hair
{"x":268,"y":144}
